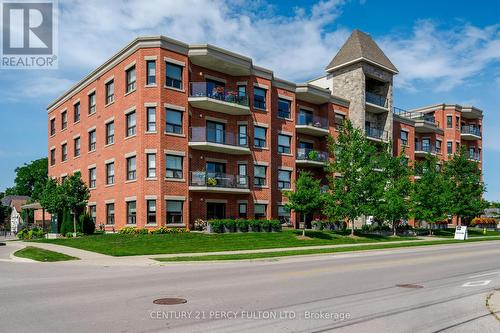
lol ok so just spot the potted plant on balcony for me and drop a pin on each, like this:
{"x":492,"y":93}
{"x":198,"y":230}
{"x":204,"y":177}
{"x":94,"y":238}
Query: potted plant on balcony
{"x":211,"y":181}
{"x":313,"y":155}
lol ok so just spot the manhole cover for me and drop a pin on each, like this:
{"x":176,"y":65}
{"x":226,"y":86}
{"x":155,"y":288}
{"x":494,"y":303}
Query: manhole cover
{"x":169,"y":301}
{"x":409,"y":285}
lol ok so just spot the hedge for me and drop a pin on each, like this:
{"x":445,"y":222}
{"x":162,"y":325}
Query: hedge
{"x":242,"y":225}
{"x":483,"y":221}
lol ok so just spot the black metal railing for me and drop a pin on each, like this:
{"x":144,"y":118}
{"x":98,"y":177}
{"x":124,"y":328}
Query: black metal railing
{"x":214,"y":91}
{"x":312,"y":120}
{"x":203,"y":134}
{"x":216,"y":179}
{"x":376,"y":133}
{"x":376,"y":99}
{"x":415,"y":115}
{"x":471,"y":129}
{"x":311,"y":155}
{"x":425,"y":147}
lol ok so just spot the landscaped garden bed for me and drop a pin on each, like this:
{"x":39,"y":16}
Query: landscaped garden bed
{"x":242,"y":225}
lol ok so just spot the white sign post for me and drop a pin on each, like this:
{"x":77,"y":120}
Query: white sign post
{"x":461,"y":232}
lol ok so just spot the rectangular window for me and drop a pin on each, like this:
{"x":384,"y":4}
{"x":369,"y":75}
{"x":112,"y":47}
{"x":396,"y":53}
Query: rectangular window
{"x":404,"y":138}
{"x":76,"y":112}
{"x":92,"y":103}
{"x":110,"y":213}
{"x":52,"y":156}
{"x":260,"y":137}
{"x":242,"y":94}
{"x":449,"y":147}
{"x":110,"y":132}
{"x":216,"y":132}
{"x":151,"y":160}
{"x":53,"y":126}
{"x":242,"y":175}
{"x":110,"y":173}
{"x":449,"y":121}
{"x":110,"y":92}
{"x":64,"y":120}
{"x":283,"y":214}
{"x":64,"y":152}
{"x":339,"y":120}
{"x":242,"y":210}
{"x":151,"y":116}
{"x":174,"y":166}
{"x":76,"y":143}
{"x":151,"y":206}
{"x":174,"y":121}
{"x":131,"y":78}
{"x":284,"y":143}
{"x":259,"y":98}
{"x":93,"y":212}
{"x":150,"y":72}
{"x":92,"y":140}
{"x":242,"y":136}
{"x":131,"y":168}
{"x":284,"y":107}
{"x":92,"y":177}
{"x":131,"y":212}
{"x":438,"y":146}
{"x":174,"y":212}
{"x":259,"y":175}
{"x":174,"y":76}
{"x":284,"y":179}
{"x":131,"y":124}
{"x":260,"y":210}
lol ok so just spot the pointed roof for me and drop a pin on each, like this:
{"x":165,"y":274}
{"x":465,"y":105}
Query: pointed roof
{"x":360,"y":47}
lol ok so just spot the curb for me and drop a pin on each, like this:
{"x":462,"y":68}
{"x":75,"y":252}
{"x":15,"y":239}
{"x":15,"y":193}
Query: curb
{"x":493,"y":303}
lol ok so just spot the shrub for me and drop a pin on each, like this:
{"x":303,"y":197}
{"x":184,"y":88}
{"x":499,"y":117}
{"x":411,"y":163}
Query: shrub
{"x":318,"y":225}
{"x":483,"y":221}
{"x":265,"y":225}
{"x":217,"y":226}
{"x":67,"y":223}
{"x":167,"y":230}
{"x":141,"y":231}
{"x":70,"y":234}
{"x":127,"y":230}
{"x":275,"y":225}
{"x":254,"y":225}
{"x":34,"y":233}
{"x":200,"y":225}
{"x":230,"y":225}
{"x":88,"y":225}
{"x":242,"y":225}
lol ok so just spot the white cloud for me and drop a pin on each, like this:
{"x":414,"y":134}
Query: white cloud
{"x":36,"y":87}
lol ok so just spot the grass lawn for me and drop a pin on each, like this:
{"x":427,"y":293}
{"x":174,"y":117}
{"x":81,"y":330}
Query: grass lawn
{"x":275,"y":254}
{"x":127,"y":245}
{"x":471,"y":232}
{"x":35,"y":253}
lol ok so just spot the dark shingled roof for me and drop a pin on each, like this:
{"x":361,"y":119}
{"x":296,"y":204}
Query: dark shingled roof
{"x":7,"y":199}
{"x":360,"y":46}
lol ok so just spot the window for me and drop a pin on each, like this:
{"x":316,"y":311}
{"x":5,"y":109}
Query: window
{"x":242,"y":210}
{"x":216,"y":132}
{"x":260,"y":210}
{"x":174,"y":76}
{"x":92,"y":177}
{"x":242,"y":175}
{"x":449,"y":121}
{"x":92,"y":140}
{"x":110,"y":92}
{"x":174,"y":121}
{"x":76,"y":143}
{"x":174,"y":212}
{"x":242,"y":135}
{"x":151,"y":167}
{"x":284,"y":108}
{"x":404,"y":138}
{"x":52,"y":156}
{"x":93,"y":212}
{"x":52,"y":126}
{"x":92,"y":103}
{"x":259,"y":98}
{"x":305,"y":118}
{"x":76,"y":112}
{"x":131,"y":168}
{"x":242,"y":94}
{"x":259,"y":175}
{"x":438,"y":146}
{"x":110,"y":132}
{"x":131,"y":212}
{"x":110,"y":213}
{"x":64,"y":120}
{"x":284,"y":144}
{"x":426,"y":145}
{"x":131,"y":78}
{"x":131,"y":124}
{"x":174,"y":167}
{"x":150,"y":72}
{"x":284,"y":179}
{"x":259,"y":137}
{"x":449,"y":147}
{"x":151,"y":117}
{"x":339,"y":120}
{"x":64,"y":152}
{"x":283,"y":214}
{"x":110,"y":173}
{"x":151,"y":207}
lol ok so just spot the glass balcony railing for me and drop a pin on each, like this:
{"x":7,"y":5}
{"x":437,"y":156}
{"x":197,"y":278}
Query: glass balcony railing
{"x":216,"y":179}
{"x":311,"y":155}
{"x":376,"y":133}
{"x":203,"y":134}
{"x":471,"y":129}
{"x":214,"y":91}
{"x":425,"y":147}
{"x":415,"y":115}
{"x":376,"y":99}
{"x":312,"y":120}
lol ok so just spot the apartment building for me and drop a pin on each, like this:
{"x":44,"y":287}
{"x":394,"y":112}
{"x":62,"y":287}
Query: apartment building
{"x":165,"y":133}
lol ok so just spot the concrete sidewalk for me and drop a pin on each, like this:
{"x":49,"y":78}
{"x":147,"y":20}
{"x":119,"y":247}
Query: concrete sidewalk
{"x":493,"y":304}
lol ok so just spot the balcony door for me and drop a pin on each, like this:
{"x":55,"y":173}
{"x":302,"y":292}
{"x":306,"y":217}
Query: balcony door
{"x":215,"y":169}
{"x":426,"y":144}
{"x":216,"y":210}
{"x":305,"y":117}
{"x":216,"y":132}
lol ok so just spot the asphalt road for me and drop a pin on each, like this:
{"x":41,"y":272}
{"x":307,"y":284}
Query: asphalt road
{"x":308,"y":294}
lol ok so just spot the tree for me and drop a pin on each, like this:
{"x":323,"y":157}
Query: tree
{"x":465,"y":187}
{"x":394,"y":189}
{"x":77,"y":194}
{"x":30,"y":179}
{"x":429,"y":193}
{"x":52,"y":197}
{"x":307,"y":196}
{"x":351,"y":175}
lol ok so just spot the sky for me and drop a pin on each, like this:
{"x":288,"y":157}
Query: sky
{"x":446,"y":52}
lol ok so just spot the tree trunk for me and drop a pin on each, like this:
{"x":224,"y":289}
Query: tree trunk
{"x":352,"y":229}
{"x":394,"y":228}
{"x":74,"y":224}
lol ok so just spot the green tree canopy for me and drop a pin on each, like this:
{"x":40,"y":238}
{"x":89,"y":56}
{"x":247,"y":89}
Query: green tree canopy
{"x":52,"y":197}
{"x":30,"y":179}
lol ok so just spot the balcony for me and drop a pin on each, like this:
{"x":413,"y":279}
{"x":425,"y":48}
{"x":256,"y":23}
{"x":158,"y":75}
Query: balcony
{"x":376,"y":103}
{"x":312,"y":125}
{"x":474,"y":156}
{"x":202,"y":181}
{"x":424,"y":123}
{"x":311,"y":158}
{"x":422,"y":149}
{"x":218,"y":141}
{"x":470,"y":132}
{"x":376,"y":134}
{"x":209,"y":96}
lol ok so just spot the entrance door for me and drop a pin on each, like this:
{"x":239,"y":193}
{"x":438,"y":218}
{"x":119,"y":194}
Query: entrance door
{"x":216,"y":210}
